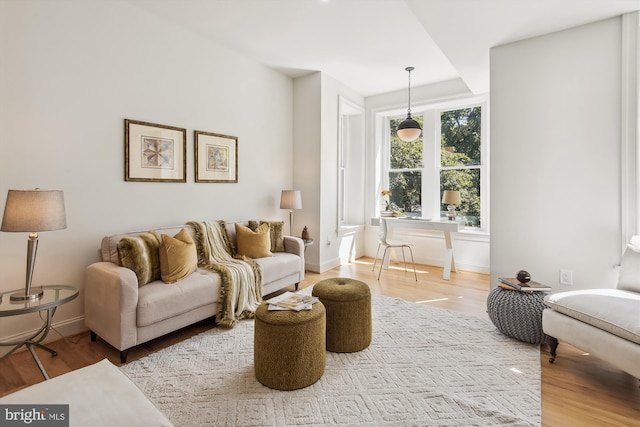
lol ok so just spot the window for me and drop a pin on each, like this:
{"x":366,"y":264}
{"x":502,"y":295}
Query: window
{"x":449,"y":155}
{"x":350,"y":163}
{"x":405,"y":171}
{"x":461,"y":160}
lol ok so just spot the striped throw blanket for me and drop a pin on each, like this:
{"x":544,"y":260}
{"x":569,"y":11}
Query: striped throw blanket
{"x":241,"y":287}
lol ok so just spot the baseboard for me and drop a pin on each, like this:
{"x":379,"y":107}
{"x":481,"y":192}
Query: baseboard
{"x":63,"y":328}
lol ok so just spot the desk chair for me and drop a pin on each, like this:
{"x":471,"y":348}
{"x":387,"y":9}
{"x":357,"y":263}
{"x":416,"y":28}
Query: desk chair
{"x":383,"y":241}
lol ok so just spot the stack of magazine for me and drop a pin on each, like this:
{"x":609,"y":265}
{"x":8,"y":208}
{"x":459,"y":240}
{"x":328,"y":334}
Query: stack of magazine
{"x":514,"y":284}
{"x":292,"y":301}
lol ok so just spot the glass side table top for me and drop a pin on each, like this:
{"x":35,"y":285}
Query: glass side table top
{"x":54,"y":295}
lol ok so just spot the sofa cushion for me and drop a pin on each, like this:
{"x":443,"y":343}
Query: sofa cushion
{"x":281,"y":264}
{"x":612,"y":310}
{"x":140,"y":254}
{"x":178,"y":256}
{"x":109,"y":245}
{"x":275,"y":230}
{"x":158,"y":301}
{"x":253,"y":244}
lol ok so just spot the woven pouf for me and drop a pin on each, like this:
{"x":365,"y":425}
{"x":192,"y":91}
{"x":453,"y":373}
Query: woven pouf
{"x":348,"y":305}
{"x":518,"y":314}
{"x":289,"y":347}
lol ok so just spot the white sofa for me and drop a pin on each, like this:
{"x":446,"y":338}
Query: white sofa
{"x":602,"y":322}
{"x":125,"y":315}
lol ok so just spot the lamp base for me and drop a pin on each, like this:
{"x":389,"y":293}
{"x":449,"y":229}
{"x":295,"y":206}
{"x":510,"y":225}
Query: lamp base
{"x":34,"y":295}
{"x":451,"y":212}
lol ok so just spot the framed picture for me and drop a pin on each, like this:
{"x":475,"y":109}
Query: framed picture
{"x":154,"y":153}
{"x":216,"y":157}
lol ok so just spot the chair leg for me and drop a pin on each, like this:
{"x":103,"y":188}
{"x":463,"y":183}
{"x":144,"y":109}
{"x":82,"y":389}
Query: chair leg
{"x":404,"y":259}
{"x":413,"y":262}
{"x":382,"y":262}
{"x":376,"y":258}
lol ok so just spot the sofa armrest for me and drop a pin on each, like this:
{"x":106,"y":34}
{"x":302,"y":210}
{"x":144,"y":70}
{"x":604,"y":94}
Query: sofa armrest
{"x":110,"y":303}
{"x":294,"y":245}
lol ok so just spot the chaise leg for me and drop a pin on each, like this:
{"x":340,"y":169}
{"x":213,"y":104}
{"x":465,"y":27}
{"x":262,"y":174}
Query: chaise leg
{"x":296,"y":285}
{"x":123,"y":356}
{"x":553,"y":346}
{"x":93,"y":336}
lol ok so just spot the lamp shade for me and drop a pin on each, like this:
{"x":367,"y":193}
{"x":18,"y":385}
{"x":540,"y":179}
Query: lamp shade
{"x":451,"y":197}
{"x":291,"y":199}
{"x":34,"y":210}
{"x":409,"y":129}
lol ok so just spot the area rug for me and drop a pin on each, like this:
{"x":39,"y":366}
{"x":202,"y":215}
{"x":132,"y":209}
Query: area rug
{"x":424,"y":367}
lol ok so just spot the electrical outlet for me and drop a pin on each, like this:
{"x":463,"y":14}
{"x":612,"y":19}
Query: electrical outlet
{"x":566,"y":277}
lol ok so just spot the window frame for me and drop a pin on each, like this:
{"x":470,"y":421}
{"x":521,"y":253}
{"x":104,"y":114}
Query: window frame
{"x":431,"y":152}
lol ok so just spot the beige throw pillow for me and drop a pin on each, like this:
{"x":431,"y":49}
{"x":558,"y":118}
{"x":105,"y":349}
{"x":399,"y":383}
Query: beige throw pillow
{"x":140,"y":254}
{"x":254,"y":244}
{"x":178,"y":256}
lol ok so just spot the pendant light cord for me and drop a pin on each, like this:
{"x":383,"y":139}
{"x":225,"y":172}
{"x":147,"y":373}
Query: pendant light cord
{"x":409,"y":69}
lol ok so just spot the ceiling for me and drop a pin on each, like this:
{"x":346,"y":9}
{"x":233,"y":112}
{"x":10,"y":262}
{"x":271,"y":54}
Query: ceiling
{"x":366,"y":44}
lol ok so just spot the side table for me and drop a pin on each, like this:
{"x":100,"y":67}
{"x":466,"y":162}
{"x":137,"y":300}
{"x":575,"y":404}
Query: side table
{"x":53,"y":297}
{"x":518,"y":314}
{"x":307,"y":243}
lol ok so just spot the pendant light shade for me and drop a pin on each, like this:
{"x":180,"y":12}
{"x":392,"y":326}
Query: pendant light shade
{"x":409,"y":129}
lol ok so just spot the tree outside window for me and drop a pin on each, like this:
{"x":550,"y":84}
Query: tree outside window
{"x":405,"y":171}
{"x":460,"y":160}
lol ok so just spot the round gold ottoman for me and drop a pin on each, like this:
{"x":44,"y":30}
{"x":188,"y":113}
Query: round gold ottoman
{"x":289,"y":347}
{"x":348,"y":305}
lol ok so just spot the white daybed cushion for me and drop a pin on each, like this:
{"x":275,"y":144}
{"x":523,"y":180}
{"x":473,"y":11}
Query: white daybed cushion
{"x":612,"y":310}
{"x":98,"y":395}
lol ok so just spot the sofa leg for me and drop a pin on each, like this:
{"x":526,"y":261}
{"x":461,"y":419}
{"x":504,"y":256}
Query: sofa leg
{"x":296,"y":285}
{"x":553,"y":346}
{"x":93,"y":336}
{"x":123,"y":356}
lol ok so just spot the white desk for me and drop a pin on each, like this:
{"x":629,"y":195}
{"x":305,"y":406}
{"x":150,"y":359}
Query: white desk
{"x":446,"y":226}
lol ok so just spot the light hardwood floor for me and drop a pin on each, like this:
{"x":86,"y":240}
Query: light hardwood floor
{"x":578,"y":390}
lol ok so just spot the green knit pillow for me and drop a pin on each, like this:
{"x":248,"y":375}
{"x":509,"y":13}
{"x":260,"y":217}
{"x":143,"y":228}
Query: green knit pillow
{"x":141,"y":255}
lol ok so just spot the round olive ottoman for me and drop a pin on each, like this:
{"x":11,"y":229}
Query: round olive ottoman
{"x":289,"y":347}
{"x":348,"y":305}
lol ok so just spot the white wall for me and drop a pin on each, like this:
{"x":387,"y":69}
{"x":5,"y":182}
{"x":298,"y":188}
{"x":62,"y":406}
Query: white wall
{"x":555,"y":156}
{"x":315,"y":166}
{"x":306,"y":165}
{"x":71,"y":71}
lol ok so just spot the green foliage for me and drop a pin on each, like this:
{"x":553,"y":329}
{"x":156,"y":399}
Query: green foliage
{"x":406,"y":185}
{"x":460,"y":149}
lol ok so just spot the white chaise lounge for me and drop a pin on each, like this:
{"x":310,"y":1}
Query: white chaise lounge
{"x":602,"y":322}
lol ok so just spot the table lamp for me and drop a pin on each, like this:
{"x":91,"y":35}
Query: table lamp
{"x":451,"y":198}
{"x":291,"y":199}
{"x":32,"y":211}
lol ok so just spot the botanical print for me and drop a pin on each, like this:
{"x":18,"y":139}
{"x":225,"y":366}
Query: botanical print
{"x":157,"y":153}
{"x":217,"y":158}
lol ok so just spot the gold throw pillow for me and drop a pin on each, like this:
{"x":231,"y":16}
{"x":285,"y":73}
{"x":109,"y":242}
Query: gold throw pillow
{"x":253,"y":244}
{"x":178,"y":257}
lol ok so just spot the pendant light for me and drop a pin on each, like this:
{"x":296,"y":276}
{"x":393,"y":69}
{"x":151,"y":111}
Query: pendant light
{"x":409,"y":129}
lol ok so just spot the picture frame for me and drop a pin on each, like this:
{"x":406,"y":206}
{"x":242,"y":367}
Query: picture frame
{"x":216,"y":157}
{"x":154,"y":152}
